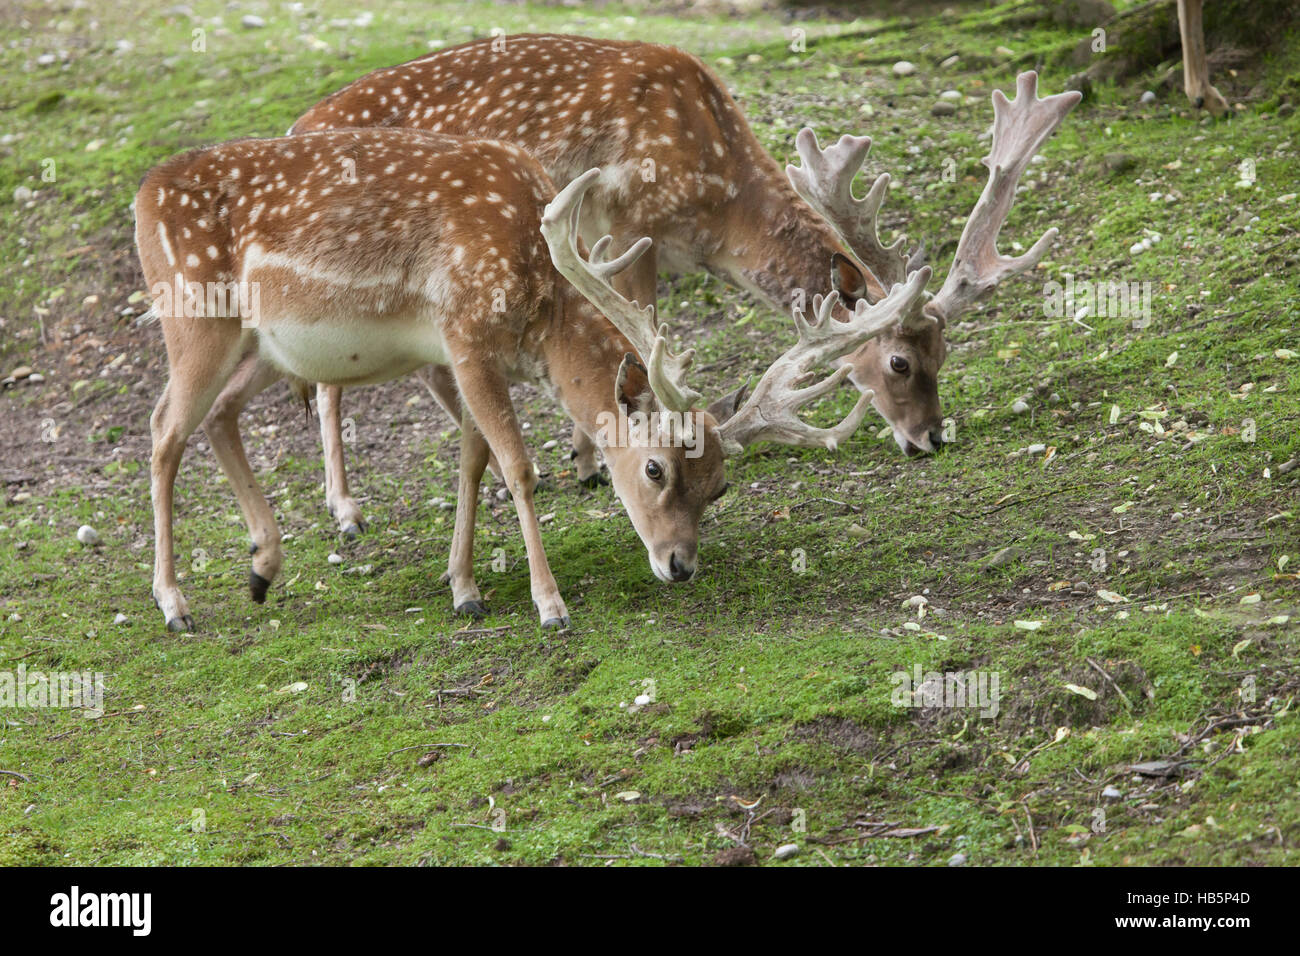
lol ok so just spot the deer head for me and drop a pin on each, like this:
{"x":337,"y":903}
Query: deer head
{"x":665,"y":453}
{"x":901,"y":365}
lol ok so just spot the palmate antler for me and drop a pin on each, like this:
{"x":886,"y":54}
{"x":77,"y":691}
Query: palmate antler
{"x":1020,"y":127}
{"x":591,"y":277}
{"x":825,"y":181}
{"x":770,"y":412}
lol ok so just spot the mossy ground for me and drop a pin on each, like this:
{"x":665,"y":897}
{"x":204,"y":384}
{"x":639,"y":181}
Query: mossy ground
{"x":772,"y":674}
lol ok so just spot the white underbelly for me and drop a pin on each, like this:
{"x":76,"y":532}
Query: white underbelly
{"x":352,"y":352}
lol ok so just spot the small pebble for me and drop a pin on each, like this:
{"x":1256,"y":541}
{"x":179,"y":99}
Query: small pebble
{"x":1019,"y":406}
{"x":943,"y":108}
{"x":1147,"y":98}
{"x":119,"y":619}
{"x":1112,"y":793}
{"x":957,"y":859}
{"x":786,"y":851}
{"x":87,"y":535}
{"x":904,"y":68}
{"x":250,"y":21}
{"x":335,"y":559}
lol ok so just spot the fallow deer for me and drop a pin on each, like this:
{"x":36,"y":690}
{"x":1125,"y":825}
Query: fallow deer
{"x":360,"y":255}
{"x":680,"y":164}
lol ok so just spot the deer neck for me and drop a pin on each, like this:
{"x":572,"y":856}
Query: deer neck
{"x":582,"y":360}
{"x":778,"y":246}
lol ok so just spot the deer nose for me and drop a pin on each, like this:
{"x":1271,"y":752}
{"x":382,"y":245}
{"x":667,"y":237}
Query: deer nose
{"x":680,"y":572}
{"x":936,"y":437}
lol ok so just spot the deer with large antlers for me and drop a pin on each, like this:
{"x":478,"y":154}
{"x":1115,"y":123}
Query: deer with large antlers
{"x":358,"y":256}
{"x":680,"y":165}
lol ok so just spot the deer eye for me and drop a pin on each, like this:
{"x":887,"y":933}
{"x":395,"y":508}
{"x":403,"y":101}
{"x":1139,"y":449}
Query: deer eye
{"x":898,"y":364}
{"x":653,"y":471}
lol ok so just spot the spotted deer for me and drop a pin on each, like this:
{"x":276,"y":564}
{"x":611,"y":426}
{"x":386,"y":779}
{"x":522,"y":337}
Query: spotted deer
{"x":357,"y":256}
{"x":680,"y":164}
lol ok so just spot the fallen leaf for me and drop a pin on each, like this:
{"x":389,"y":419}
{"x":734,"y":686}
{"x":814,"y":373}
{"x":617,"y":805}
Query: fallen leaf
{"x":1081,"y":691}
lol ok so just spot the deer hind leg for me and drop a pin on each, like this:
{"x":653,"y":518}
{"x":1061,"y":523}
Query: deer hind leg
{"x":1196,"y":69}
{"x":466,"y":597}
{"x":222,"y":428}
{"x":486,"y":395}
{"x":338,"y":498}
{"x":202,"y":355}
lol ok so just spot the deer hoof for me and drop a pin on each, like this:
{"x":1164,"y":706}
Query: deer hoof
{"x":257,"y":586}
{"x":353,"y":529}
{"x":178,"y":624}
{"x":472,"y":609}
{"x":555,"y":623}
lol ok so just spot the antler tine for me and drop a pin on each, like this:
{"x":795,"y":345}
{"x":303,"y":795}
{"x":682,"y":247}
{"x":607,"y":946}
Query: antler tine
{"x":591,"y":277}
{"x":825,"y":181}
{"x":770,"y":412}
{"x":1020,"y":127}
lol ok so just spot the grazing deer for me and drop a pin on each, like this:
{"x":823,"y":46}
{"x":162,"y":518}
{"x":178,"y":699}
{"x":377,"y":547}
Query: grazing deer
{"x":1196,"y":69}
{"x":679,"y":164}
{"x":355,"y":256}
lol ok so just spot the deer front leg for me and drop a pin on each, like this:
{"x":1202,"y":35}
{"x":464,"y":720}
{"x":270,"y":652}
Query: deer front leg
{"x":337,"y":496}
{"x":466,"y":597}
{"x":486,"y":395}
{"x":1196,"y":69}
{"x":585,"y":463}
{"x":443,"y":385}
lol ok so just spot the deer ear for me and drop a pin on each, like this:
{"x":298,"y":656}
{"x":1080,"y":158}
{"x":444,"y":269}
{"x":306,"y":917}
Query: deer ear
{"x":723,"y":408}
{"x":632,"y":386}
{"x":847,"y":279}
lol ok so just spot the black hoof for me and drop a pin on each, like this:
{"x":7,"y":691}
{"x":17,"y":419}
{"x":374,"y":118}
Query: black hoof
{"x":178,"y":624}
{"x":354,"y":529}
{"x":555,"y":623}
{"x":543,"y":484}
{"x":257,"y":586}
{"x":472,"y":609}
